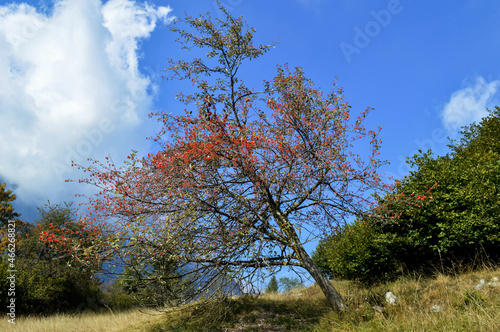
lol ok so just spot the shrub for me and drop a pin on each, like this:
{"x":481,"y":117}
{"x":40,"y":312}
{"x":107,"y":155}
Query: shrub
{"x":356,"y":251}
{"x":444,"y":214}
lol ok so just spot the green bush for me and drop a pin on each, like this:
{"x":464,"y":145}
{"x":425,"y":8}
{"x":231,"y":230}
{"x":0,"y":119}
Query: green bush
{"x":116,"y":297}
{"x":444,"y":214}
{"x":355,"y":252}
{"x":45,"y":287}
{"x":46,"y":280}
{"x":288,"y":284}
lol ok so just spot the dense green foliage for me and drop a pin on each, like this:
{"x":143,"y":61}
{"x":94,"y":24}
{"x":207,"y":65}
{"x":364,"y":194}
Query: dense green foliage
{"x":147,"y":281}
{"x":56,"y":273}
{"x":46,"y":281}
{"x":444,"y":214}
{"x":356,"y":251}
{"x":6,"y":209}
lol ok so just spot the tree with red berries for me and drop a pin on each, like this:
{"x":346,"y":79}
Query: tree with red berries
{"x":243,"y":178}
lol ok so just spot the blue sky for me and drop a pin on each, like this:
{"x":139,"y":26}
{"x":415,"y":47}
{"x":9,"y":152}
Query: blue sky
{"x":79,"y":77}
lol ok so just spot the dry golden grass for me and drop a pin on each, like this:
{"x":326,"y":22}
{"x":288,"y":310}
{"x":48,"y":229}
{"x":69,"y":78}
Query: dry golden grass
{"x":131,"y":320}
{"x":445,"y":303}
{"x":461,"y":308}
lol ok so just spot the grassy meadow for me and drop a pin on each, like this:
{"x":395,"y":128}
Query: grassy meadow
{"x":104,"y":321}
{"x":442,"y":303}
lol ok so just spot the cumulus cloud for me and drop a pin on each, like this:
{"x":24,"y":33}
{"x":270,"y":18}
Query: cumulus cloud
{"x":469,"y":103}
{"x":71,"y":88}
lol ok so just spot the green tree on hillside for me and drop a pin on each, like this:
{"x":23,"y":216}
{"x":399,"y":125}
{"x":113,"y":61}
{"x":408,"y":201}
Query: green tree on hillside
{"x":272,"y":286}
{"x":46,"y":280}
{"x":6,"y":209}
{"x":287,"y":284}
{"x":445,"y":213}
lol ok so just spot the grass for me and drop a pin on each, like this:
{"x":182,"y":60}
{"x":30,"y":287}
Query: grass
{"x":442,"y":303}
{"x":131,"y":320}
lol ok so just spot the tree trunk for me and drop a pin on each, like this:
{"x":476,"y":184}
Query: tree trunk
{"x":330,"y":292}
{"x":333,"y":297}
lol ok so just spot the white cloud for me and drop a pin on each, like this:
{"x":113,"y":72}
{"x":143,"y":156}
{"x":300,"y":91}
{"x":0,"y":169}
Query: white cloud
{"x":469,"y":103}
{"x":70,"y":88}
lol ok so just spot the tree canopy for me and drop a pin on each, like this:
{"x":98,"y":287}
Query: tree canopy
{"x":245,"y":176}
{"x":444,"y":214}
{"x":47,"y":280}
{"x":6,"y":210}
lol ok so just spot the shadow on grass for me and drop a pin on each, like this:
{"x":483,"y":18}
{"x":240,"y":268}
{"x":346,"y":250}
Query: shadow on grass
{"x":294,"y":311}
{"x":451,"y":303}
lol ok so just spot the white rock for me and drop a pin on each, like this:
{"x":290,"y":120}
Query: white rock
{"x":377,"y":308}
{"x":494,"y":282}
{"x":480,"y":285}
{"x":436,"y":308}
{"x":390,"y":298}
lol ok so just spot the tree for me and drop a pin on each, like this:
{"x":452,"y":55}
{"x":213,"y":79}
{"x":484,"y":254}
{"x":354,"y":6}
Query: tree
{"x":287,"y":284}
{"x":454,"y":215}
{"x":67,"y":238}
{"x":47,"y":280}
{"x":357,"y":251}
{"x":444,"y":214}
{"x":6,"y":210}
{"x":272,"y":286}
{"x":10,"y":238}
{"x":6,"y":213}
{"x":150,"y":280}
{"x":242,"y":183}
{"x":50,"y":281}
